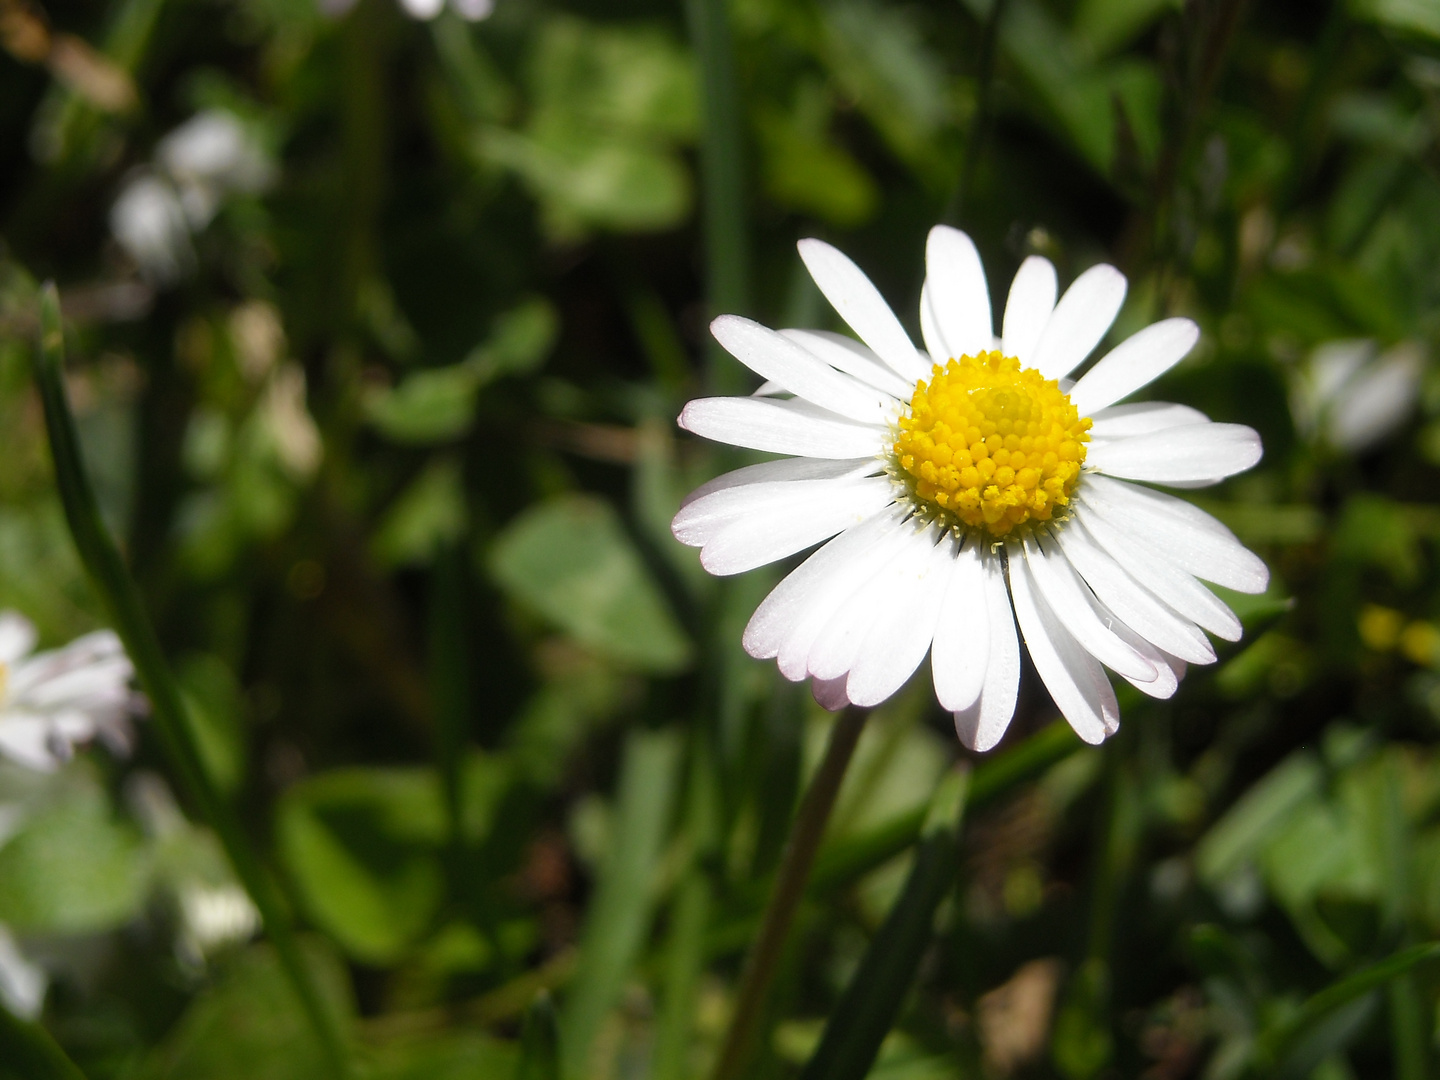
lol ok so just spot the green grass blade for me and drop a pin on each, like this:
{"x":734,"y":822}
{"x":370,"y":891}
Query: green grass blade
{"x":722,"y":167}
{"x":763,"y":959}
{"x":685,"y":952}
{"x":28,"y":1052}
{"x":169,"y":719}
{"x":1273,"y":1048}
{"x":624,"y":901}
{"x":869,"y":1005}
{"x":539,"y":1042}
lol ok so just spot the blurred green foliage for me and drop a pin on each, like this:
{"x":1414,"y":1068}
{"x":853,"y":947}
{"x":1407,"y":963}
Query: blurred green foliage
{"x":431,"y":366}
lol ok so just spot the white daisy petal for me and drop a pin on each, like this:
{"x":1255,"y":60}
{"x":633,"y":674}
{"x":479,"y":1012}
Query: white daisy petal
{"x":741,"y":528}
{"x":848,"y":355}
{"x":935,"y":343}
{"x":860,"y":304}
{"x":1081,"y":319}
{"x":1193,"y":452}
{"x":1182,"y":532}
{"x":1151,"y":567}
{"x":837,"y":648}
{"x":1029,"y":307}
{"x":17,"y":636}
{"x":1148,"y":616}
{"x":808,"y":587}
{"x":1137,"y":361}
{"x":797,"y":468}
{"x":982,"y":726}
{"x":1142,"y":418}
{"x":898,"y":641}
{"x":830,"y":693}
{"x":957,"y":290}
{"x":25,"y":738}
{"x":761,"y":424}
{"x":1169,"y":669}
{"x":835,"y":600}
{"x":1067,"y":597}
{"x":774,"y":356}
{"x":1075,"y":679}
{"x":51,"y":700}
{"x":960,"y":654}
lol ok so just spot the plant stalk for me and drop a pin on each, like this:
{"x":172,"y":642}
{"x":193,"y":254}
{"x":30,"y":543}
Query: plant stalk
{"x":795,"y":862}
{"x":171,"y":722}
{"x":29,"y":1051}
{"x":722,"y":171}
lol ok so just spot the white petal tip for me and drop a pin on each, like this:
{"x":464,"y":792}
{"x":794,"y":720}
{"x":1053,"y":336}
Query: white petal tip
{"x":829,"y":694}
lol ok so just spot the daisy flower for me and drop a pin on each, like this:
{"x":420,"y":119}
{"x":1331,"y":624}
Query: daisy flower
{"x":969,"y":488}
{"x":50,"y":701}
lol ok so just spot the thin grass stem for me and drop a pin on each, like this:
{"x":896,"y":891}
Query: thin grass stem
{"x":799,"y":855}
{"x":29,"y":1051}
{"x":722,"y":171}
{"x":170,"y":720}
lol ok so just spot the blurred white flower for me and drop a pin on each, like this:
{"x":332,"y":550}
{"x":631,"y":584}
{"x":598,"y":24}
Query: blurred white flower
{"x":212,"y":910}
{"x":289,"y":424}
{"x":472,"y":10}
{"x":150,"y":224}
{"x":1350,"y":396}
{"x":22,"y":983}
{"x":212,"y":917}
{"x":197,"y":166}
{"x":210,"y":156}
{"x":52,"y":700}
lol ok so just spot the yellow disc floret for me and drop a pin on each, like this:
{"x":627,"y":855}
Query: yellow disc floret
{"x":989,"y":445}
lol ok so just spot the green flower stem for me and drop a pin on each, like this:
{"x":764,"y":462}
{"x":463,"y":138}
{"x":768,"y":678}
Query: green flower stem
{"x":722,"y":169}
{"x":170,"y":720}
{"x":795,"y":862}
{"x":28,"y":1051}
{"x":872,"y":1000}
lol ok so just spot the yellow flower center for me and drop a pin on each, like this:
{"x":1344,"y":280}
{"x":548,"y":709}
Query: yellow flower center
{"x":990,"y":446}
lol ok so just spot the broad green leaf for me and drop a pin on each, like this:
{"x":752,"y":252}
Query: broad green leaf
{"x":438,"y":404}
{"x":804,"y":170}
{"x":72,"y":868}
{"x":586,"y":178}
{"x":1412,"y":16}
{"x":429,"y":406}
{"x":1376,"y":531}
{"x":248,"y":1026}
{"x":1102,"y":26}
{"x":363,"y":847}
{"x":519,"y":343}
{"x":454,"y":1055}
{"x":883,"y":60}
{"x":610,"y":104}
{"x":571,"y":561}
{"x":427,"y":516}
